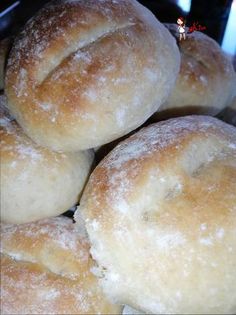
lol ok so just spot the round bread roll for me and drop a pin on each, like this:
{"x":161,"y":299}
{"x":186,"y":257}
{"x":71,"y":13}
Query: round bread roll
{"x":160,"y":211}
{"x":4,"y":48}
{"x":89,"y":71}
{"x":45,"y":269}
{"x":206,"y":80}
{"x":37,"y":183}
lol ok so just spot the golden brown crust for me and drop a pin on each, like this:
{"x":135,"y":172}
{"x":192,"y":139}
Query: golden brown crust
{"x":73,"y":77}
{"x":206,"y":81}
{"x":160,"y":214}
{"x":45,"y":269}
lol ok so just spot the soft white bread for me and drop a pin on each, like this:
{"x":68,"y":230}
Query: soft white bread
{"x":4,"y":48}
{"x":206,"y":80}
{"x":160,"y":211}
{"x":83,"y":73}
{"x":37,"y":183}
{"x":45,"y":269}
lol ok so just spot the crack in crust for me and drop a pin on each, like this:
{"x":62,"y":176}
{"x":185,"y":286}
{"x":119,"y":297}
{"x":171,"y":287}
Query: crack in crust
{"x":42,"y":77}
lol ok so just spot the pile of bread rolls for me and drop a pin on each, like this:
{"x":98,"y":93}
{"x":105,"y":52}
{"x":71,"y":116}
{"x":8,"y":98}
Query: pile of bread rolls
{"x":154,"y":227}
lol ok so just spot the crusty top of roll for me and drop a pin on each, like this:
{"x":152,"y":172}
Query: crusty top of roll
{"x":192,"y":142}
{"x":160,"y":213}
{"x":45,"y":269}
{"x":206,"y":81}
{"x":83,"y":73}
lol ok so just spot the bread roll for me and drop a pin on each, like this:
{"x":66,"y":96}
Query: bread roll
{"x":89,"y":71}
{"x":4,"y":48}
{"x":160,"y":211}
{"x":45,"y":269}
{"x":206,"y":80}
{"x":37,"y":183}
